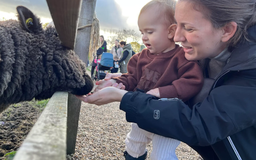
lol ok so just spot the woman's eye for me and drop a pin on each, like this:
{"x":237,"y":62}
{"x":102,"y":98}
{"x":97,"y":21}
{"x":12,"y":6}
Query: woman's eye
{"x":188,"y":29}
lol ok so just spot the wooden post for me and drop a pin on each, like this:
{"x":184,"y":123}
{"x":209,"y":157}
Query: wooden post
{"x":65,"y":15}
{"x":81,"y":49}
{"x":74,"y":105}
{"x":84,"y":29}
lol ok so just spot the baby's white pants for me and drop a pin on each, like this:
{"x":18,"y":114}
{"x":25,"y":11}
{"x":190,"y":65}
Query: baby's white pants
{"x":163,"y":147}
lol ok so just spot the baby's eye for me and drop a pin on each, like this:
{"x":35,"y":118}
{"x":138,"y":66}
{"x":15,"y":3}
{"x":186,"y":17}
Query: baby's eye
{"x":149,"y":32}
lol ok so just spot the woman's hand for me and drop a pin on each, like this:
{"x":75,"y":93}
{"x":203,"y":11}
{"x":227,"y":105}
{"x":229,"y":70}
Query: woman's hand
{"x":154,"y":92}
{"x":104,"y":96}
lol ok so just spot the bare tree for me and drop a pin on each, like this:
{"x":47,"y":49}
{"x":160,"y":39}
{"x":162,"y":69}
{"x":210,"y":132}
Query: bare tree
{"x":122,"y":34}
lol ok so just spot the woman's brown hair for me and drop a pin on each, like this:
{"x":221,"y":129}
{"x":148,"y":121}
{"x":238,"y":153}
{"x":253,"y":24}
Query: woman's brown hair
{"x":221,"y":12}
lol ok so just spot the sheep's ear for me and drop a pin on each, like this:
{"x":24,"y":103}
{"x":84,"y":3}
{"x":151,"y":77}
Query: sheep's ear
{"x":27,"y":19}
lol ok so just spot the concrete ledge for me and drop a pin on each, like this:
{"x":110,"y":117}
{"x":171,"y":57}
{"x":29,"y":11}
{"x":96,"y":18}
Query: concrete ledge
{"x":47,"y":139}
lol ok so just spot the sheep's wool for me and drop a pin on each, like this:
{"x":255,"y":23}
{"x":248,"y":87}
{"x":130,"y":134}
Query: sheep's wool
{"x":34,"y":64}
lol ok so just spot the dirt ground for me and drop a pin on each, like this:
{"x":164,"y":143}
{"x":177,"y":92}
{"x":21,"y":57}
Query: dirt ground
{"x":15,"y":123}
{"x":17,"y":120}
{"x":102,"y":131}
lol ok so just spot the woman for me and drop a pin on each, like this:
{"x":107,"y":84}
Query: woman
{"x":223,"y":124}
{"x":100,"y":50}
{"x":125,"y":57}
{"x":116,"y":51}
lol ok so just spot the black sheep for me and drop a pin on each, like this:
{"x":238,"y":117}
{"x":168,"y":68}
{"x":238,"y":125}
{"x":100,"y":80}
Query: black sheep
{"x":34,"y":64}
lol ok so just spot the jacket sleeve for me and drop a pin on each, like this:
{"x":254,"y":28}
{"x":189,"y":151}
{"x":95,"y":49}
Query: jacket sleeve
{"x":224,"y":112}
{"x":104,"y":47}
{"x":129,"y":79}
{"x":119,"y":51}
{"x":99,"y":51}
{"x":112,"y":51}
{"x":188,"y":84}
{"x":125,"y":54}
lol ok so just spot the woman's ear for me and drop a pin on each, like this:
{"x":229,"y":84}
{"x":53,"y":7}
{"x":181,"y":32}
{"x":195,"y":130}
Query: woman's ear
{"x":228,"y":31}
{"x":171,"y":31}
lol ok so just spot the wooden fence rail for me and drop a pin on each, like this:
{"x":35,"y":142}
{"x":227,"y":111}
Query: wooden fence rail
{"x":47,"y":139}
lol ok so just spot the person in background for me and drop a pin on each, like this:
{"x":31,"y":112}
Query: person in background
{"x":133,"y":53}
{"x":101,"y":49}
{"x":220,"y":122}
{"x":125,"y":56}
{"x":97,"y":61}
{"x":116,"y":51}
{"x":142,"y":47}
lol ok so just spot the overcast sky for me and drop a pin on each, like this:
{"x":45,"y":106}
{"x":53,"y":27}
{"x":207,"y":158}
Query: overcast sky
{"x":121,"y":14}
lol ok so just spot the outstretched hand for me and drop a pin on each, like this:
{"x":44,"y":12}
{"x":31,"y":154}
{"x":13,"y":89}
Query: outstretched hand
{"x":104,"y":96}
{"x":107,"y":91}
{"x":107,"y":82}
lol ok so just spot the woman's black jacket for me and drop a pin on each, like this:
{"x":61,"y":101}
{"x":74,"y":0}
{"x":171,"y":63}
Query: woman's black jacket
{"x":225,"y":121}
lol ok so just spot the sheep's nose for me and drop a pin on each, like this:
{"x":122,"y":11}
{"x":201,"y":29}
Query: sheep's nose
{"x":85,"y":89}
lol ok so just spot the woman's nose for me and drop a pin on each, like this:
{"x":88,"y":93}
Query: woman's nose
{"x":179,"y":36}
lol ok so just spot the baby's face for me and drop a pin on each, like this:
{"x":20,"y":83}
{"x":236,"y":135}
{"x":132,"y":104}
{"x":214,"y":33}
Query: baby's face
{"x":155,"y":29}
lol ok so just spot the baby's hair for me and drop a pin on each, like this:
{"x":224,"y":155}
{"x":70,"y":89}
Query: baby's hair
{"x":166,"y":7}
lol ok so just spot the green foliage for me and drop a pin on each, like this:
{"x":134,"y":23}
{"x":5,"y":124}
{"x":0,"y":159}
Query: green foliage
{"x":88,"y":68}
{"x":10,"y":155}
{"x":45,"y":25}
{"x":17,"y":105}
{"x":39,"y":104}
{"x":42,"y":103}
{"x":8,"y":112}
{"x":135,"y":47}
{"x":122,"y":35}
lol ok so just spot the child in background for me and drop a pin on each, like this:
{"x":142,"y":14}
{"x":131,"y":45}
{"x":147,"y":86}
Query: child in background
{"x":97,"y":61}
{"x":162,"y":70}
{"x":116,"y":51}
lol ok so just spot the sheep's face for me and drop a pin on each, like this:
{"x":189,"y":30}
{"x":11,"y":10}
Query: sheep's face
{"x":33,"y":63}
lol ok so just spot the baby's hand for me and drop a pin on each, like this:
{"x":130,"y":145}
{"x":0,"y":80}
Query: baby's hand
{"x":119,"y":85}
{"x":154,"y":92}
{"x":112,"y":75}
{"x":103,"y":84}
